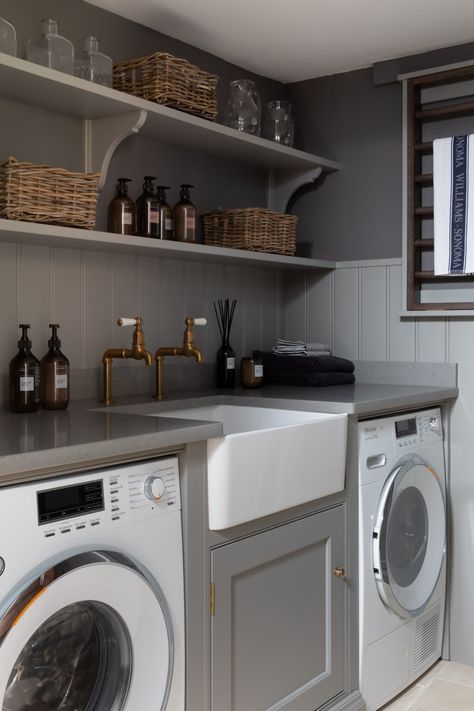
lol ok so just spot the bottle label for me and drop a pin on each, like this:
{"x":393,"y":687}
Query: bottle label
{"x":127,"y":217}
{"x":230,"y":365}
{"x":153,"y":216}
{"x":259,"y":371}
{"x":168,"y":224}
{"x":27,"y":384}
{"x":190,"y":222}
{"x":61,"y":381}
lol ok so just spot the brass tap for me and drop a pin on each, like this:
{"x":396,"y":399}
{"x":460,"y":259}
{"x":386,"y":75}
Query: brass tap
{"x":188,"y":349}
{"x":137,"y":352}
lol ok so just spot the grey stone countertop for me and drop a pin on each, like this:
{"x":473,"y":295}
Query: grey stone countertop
{"x":87,"y":435}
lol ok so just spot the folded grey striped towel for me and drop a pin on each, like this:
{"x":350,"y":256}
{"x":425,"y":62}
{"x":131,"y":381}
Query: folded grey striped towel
{"x":284,"y":347}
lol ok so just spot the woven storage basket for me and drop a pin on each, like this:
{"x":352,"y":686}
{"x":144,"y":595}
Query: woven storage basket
{"x":38,"y":193}
{"x":167,"y":80}
{"x":253,"y":228}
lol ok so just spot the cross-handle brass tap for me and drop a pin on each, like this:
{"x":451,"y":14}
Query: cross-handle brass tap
{"x":188,"y":349}
{"x":137,"y":352}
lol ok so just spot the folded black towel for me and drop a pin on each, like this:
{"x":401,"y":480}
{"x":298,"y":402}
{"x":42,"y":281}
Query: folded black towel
{"x":297,"y":364}
{"x":305,"y":378}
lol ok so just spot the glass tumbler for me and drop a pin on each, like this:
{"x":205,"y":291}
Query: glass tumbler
{"x":278,"y":122}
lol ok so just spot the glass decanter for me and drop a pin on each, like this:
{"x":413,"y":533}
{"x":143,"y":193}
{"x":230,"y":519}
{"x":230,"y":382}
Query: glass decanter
{"x":7,"y":37}
{"x":244,"y":108}
{"x":93,"y":65}
{"x":51,"y":50}
{"x":278,"y":122}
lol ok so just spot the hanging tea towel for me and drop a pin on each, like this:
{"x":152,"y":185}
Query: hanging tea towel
{"x":453,"y":202}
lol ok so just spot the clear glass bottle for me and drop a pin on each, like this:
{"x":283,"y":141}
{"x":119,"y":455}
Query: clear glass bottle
{"x":184,"y":216}
{"x":244,"y":109}
{"x":51,"y":50}
{"x":166,"y":215}
{"x":54,"y":374}
{"x":93,"y":65}
{"x":7,"y":37}
{"x":278,"y":123}
{"x":148,"y":213}
{"x":24,"y":376}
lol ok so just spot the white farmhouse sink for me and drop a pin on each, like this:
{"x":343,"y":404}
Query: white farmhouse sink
{"x":268,"y":460}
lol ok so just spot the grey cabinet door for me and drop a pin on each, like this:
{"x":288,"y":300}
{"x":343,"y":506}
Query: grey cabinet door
{"x":278,"y":628}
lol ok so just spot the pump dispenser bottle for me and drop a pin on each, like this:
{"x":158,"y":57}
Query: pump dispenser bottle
{"x":54,"y":374}
{"x":148,"y":214}
{"x":166,"y":215}
{"x":24,"y":376}
{"x":184,"y":216}
{"x":122,"y":210}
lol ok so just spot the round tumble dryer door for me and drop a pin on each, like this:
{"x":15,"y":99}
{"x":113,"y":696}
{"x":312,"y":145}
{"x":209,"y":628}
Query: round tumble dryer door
{"x":409,"y":537}
{"x":91,"y":632}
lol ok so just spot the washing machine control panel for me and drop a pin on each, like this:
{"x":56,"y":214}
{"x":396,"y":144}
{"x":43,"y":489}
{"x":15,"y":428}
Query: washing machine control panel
{"x":106,"y":499}
{"x":415,"y":430}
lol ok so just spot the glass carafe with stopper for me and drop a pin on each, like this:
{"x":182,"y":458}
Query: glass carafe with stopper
{"x":244,"y":108}
{"x":7,"y":37}
{"x":93,"y":65}
{"x":51,"y":50}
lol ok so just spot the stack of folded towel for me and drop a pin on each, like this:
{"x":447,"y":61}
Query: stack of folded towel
{"x":293,"y":348}
{"x":308,"y":369}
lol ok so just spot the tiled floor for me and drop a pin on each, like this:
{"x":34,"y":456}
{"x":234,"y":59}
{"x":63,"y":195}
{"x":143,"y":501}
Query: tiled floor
{"x":447,"y":686}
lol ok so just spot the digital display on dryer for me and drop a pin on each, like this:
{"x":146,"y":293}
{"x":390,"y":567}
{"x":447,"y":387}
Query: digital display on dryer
{"x":68,"y":501}
{"x":405,"y":428}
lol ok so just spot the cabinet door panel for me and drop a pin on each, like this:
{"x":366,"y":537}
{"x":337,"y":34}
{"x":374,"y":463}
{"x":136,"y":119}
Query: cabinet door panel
{"x":277,"y":635}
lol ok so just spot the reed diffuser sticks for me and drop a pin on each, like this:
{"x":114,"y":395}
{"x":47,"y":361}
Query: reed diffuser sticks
{"x":224,"y":314}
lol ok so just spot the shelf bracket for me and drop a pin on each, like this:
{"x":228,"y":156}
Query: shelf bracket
{"x":103,"y":135}
{"x":283,"y":184}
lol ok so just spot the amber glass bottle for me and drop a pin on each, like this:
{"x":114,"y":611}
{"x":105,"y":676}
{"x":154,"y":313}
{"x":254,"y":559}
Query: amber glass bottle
{"x":54,"y":374}
{"x":24,"y":376}
{"x":122,"y":210}
{"x":166,"y":215}
{"x":184,"y":216}
{"x":148,"y":214}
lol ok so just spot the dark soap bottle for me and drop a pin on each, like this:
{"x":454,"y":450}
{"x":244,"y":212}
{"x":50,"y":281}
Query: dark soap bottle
{"x":24,"y":376}
{"x":148,"y":213}
{"x":166,"y":215}
{"x":54,"y":374}
{"x":122,"y":210}
{"x":184,"y":216}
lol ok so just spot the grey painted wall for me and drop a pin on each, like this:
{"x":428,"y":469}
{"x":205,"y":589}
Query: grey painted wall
{"x":121,"y":39}
{"x":87,"y":291}
{"x":356,"y":119}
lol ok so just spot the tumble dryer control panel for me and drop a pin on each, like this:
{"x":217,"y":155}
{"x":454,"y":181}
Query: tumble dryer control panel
{"x":107,"y":498}
{"x":417,"y":429}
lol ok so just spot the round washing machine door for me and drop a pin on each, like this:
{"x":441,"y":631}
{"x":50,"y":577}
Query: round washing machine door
{"x":91,"y":633}
{"x":409,"y":537}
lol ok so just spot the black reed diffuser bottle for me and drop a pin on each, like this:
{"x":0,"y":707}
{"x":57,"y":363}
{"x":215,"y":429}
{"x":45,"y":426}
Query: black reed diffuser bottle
{"x":225,"y":357}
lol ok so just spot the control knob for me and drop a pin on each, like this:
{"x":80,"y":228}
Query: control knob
{"x":154,"y":488}
{"x":434,"y":424}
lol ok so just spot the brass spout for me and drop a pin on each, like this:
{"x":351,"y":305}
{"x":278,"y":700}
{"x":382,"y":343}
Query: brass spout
{"x":188,"y":350}
{"x":137,"y":352}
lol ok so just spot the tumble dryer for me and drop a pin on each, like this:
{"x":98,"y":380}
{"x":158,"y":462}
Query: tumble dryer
{"x":91,"y":591}
{"x":402,"y":551}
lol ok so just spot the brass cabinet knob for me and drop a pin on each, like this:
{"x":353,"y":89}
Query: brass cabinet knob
{"x":339,"y":572}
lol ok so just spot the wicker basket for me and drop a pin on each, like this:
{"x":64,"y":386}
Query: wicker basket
{"x":167,"y":80}
{"x":253,"y":228}
{"x":38,"y":193}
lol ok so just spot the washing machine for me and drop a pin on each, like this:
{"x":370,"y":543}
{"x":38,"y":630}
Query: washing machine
{"x":402,"y":551}
{"x":91,"y":591}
